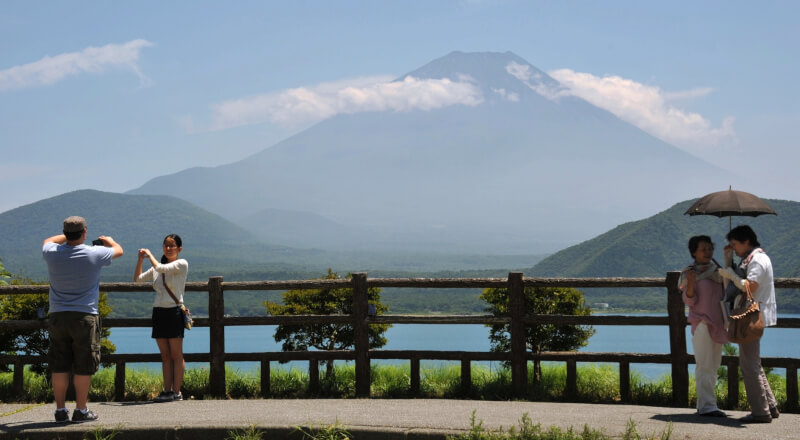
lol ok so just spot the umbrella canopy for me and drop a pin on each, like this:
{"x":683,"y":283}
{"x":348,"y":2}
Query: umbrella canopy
{"x":729,"y":203}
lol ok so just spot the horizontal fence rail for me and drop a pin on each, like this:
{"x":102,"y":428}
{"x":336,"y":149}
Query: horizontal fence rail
{"x":518,"y":357}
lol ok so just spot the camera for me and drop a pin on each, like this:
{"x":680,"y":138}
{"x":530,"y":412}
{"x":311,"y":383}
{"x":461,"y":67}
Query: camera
{"x":98,"y":242}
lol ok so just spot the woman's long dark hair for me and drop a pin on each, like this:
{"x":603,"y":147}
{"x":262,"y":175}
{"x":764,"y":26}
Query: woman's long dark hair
{"x":178,"y":242}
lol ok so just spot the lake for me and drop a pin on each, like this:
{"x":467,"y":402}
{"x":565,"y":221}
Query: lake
{"x":461,"y":337}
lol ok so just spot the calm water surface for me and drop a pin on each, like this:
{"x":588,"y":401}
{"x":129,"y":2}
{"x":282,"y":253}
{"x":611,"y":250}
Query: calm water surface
{"x":633,"y":339}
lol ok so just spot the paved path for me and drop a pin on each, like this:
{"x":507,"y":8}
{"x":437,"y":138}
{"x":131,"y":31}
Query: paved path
{"x":375,"y":419}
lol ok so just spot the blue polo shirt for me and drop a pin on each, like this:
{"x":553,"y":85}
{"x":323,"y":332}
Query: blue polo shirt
{"x":75,"y":276}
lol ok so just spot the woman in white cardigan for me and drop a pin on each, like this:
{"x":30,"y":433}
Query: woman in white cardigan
{"x":169,"y":281}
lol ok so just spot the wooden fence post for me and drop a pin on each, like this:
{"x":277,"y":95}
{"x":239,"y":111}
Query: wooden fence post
{"x":733,"y":382}
{"x":572,"y":378}
{"x":677,"y":341}
{"x":18,"y":379}
{"x":216,"y":334}
{"x":119,"y":382}
{"x":466,"y":377}
{"x":519,"y":361}
{"x":361,"y":333}
{"x":415,"y":376}
{"x":265,"y":377}
{"x":791,"y":389}
{"x":625,"y":381}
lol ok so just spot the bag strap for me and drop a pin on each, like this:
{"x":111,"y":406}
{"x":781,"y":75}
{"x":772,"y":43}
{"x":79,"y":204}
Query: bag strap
{"x":747,"y":290}
{"x":164,"y":279}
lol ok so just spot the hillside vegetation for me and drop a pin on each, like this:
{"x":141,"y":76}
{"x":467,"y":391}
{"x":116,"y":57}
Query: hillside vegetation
{"x":214,"y":246}
{"x":653,"y":246}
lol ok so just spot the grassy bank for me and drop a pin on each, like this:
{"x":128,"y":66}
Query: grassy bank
{"x":596,"y":384}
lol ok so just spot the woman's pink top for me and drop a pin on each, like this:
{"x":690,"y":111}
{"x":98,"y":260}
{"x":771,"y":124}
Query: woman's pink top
{"x":704,"y":307}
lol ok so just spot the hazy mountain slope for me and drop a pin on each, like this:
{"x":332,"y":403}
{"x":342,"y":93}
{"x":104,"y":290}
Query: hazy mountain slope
{"x":135,"y":221}
{"x":213,"y":245}
{"x":516,"y":173}
{"x":299,"y":228}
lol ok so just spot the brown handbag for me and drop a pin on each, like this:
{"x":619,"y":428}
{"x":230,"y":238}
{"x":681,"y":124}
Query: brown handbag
{"x":745,"y":322}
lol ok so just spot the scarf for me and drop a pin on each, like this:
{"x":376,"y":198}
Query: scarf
{"x":742,"y":269}
{"x":702,"y":272}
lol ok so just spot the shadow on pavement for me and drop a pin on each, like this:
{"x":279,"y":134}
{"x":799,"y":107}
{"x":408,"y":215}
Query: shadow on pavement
{"x":21,"y":426}
{"x":139,"y":403}
{"x":698,"y":420}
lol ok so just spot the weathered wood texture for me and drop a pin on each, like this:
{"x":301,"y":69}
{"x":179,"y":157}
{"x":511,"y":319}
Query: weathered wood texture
{"x":516,"y":302}
{"x":518,"y":320}
{"x":677,"y":341}
{"x":361,"y":333}
{"x":216,"y":311}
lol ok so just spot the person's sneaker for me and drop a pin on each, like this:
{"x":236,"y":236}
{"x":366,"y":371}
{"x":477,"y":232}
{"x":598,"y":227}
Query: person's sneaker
{"x":79,"y":416}
{"x":62,"y":415}
{"x":177,"y":396}
{"x":165,"y":396}
{"x":773,"y":411}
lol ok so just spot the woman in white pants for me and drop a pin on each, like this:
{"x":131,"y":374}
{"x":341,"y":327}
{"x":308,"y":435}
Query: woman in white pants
{"x":702,"y":291}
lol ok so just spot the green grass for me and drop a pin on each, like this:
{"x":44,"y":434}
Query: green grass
{"x":597,"y":383}
{"x":527,"y":430}
{"x":251,"y":433}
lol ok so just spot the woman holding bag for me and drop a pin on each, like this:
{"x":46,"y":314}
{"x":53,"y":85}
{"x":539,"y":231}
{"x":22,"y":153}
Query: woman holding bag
{"x":702,"y":291}
{"x":753,"y":275}
{"x":169,"y":280}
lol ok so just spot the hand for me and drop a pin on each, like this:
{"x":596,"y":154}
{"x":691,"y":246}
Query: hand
{"x":727,"y":252}
{"x":729,"y":274}
{"x":691,"y":277}
{"x":142,"y":253}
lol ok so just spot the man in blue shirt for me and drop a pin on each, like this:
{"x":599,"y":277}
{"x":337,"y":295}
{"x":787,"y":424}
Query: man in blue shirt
{"x":75,"y":328}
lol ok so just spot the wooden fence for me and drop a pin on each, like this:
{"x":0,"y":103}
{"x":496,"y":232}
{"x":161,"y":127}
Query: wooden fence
{"x":360,"y":319}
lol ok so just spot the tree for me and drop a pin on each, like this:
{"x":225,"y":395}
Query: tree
{"x":542,"y":337}
{"x":4,"y":275}
{"x":36,"y":341}
{"x":338,"y":301}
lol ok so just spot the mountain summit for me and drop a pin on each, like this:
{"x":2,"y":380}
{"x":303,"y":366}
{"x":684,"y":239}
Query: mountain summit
{"x":506,"y":167}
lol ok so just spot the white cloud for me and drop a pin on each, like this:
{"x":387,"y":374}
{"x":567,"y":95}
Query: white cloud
{"x":647,"y":107}
{"x":50,"y":70}
{"x":511,"y":96}
{"x":303,"y":105}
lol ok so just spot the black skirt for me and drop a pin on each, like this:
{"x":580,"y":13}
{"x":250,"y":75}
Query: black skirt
{"x":167,"y":323}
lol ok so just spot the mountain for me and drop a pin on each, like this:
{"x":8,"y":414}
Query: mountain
{"x":304,"y":229}
{"x":515,"y":171}
{"x":213,"y":245}
{"x":658,"y":244}
{"x":135,"y":221}
{"x":655,"y":245}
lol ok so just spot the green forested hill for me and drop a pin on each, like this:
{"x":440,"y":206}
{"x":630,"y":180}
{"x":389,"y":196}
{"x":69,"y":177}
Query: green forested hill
{"x":655,"y":245}
{"x":137,"y":221}
{"x":658,"y":244}
{"x":214,"y":246}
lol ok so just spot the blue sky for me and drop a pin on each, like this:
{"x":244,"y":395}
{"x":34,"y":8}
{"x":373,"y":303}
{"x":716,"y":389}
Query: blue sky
{"x":107,"y":95}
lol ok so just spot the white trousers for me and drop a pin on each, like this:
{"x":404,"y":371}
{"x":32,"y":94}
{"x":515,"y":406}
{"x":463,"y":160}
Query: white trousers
{"x":708,"y":356}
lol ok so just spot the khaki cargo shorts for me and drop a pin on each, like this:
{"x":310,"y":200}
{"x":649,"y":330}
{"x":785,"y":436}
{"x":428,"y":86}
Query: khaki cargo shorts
{"x":75,"y":342}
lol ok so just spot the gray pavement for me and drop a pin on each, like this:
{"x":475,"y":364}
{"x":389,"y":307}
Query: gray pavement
{"x":374,"y":419}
